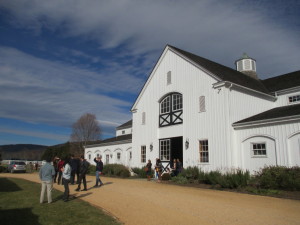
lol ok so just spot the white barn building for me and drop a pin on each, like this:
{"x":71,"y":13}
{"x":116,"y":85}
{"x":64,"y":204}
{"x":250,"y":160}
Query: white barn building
{"x":209,"y":116}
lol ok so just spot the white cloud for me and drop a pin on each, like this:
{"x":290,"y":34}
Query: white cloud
{"x":36,"y":134}
{"x":38,"y":90}
{"x":221,"y":31}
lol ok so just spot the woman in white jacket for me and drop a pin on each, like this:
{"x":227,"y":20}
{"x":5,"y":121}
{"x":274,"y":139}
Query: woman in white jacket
{"x":66,"y":176}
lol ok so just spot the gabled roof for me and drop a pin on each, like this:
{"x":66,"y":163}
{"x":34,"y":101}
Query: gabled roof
{"x":276,"y":113}
{"x":112,"y":141}
{"x":283,"y":82}
{"x":125,"y":125}
{"x":225,"y":73}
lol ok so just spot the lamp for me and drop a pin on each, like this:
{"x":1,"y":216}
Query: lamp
{"x":187,"y":143}
{"x":151,"y":147}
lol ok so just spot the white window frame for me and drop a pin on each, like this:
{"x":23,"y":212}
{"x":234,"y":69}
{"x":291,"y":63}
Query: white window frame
{"x":203,"y":149}
{"x":143,"y":153}
{"x":165,"y":105}
{"x":177,"y":102}
{"x":293,"y":99}
{"x":252,"y":144}
{"x":165,"y":149}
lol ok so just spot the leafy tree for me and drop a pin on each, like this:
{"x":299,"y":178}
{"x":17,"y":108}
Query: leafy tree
{"x":61,"y":151}
{"x":84,"y":130}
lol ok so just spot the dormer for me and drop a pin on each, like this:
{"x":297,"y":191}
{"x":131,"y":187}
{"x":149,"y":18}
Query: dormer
{"x":246,"y":65}
{"x":124,"y":129}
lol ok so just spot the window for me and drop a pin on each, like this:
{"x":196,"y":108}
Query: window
{"x":165,"y":146}
{"x":177,"y":102}
{"x":203,"y":151}
{"x":107,"y":159}
{"x":130,"y":155}
{"x":295,"y":98}
{"x":123,"y":131}
{"x":169,"y":78}
{"x":89,"y":156}
{"x":165,"y":105}
{"x":202,"y":103}
{"x":118,"y":155}
{"x":143,"y":118}
{"x":98,"y":154}
{"x":259,"y":149}
{"x":171,"y":110}
{"x":143,"y":154}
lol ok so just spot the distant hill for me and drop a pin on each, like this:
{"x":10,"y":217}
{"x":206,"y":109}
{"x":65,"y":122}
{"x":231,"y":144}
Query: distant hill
{"x":22,"y":151}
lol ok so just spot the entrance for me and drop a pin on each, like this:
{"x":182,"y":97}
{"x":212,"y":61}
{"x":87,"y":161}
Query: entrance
{"x":170,"y":149}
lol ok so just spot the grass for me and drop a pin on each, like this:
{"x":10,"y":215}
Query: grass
{"x":19,"y":204}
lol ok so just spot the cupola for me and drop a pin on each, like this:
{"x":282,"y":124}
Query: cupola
{"x":246,"y":65}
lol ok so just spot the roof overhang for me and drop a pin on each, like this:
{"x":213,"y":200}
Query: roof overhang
{"x":267,"y":122}
{"x":231,"y":85}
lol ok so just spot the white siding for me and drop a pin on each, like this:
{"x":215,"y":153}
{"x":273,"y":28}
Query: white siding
{"x":283,"y":139}
{"x":124,"y":131}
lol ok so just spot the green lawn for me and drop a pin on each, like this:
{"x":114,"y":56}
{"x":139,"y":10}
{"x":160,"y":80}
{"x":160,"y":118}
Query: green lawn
{"x":19,"y":204}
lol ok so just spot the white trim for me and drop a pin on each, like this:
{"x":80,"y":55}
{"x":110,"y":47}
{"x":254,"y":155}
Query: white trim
{"x":266,"y":122}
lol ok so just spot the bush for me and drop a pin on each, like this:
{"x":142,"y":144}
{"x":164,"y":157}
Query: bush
{"x":278,"y":177}
{"x":191,"y":173}
{"x":166,"y":176}
{"x":233,"y":180}
{"x":116,"y":170}
{"x":141,"y":173}
{"x":180,"y":180}
{"x":91,"y":170}
{"x":3,"y":169}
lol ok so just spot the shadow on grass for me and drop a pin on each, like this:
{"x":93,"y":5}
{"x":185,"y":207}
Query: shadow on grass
{"x":18,"y":216}
{"x":7,"y":185}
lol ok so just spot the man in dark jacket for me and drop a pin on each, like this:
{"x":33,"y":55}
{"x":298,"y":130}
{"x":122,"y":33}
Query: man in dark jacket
{"x":99,"y":168}
{"x":84,"y":165}
{"x":74,"y":166}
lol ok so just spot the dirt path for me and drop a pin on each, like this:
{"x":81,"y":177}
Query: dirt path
{"x":139,"y":202}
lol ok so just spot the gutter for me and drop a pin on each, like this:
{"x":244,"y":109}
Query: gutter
{"x":266,"y":121}
{"x":231,"y":85}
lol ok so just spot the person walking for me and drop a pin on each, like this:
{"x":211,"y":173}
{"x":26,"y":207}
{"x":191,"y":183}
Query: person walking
{"x":99,"y":168}
{"x":148,"y":170}
{"x":84,"y":165}
{"x":158,"y":168}
{"x":66,"y":176}
{"x":46,"y":174}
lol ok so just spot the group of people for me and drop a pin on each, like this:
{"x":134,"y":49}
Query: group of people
{"x":66,"y":170}
{"x":176,"y":168}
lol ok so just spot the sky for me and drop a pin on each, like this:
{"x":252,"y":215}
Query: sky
{"x":62,"y":59}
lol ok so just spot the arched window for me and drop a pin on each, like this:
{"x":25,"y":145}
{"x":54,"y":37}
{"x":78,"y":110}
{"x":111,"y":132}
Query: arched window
{"x":171,"y":110}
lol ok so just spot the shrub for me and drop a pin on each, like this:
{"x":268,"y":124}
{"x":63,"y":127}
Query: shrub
{"x":278,"y":177}
{"x":191,"y":173}
{"x":116,"y":170}
{"x":141,"y":173}
{"x":180,"y":180}
{"x":166,"y":176}
{"x":91,"y":170}
{"x":3,"y":169}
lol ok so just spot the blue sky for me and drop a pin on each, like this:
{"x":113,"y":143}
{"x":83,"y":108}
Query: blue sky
{"x":61,"y":59}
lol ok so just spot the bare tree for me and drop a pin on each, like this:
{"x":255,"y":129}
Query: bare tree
{"x":85,"y":129}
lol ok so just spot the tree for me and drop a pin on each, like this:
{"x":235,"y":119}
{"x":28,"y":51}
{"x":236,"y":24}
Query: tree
{"x":85,"y":129}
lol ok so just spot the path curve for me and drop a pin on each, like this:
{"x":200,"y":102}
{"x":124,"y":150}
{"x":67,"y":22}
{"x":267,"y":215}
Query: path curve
{"x":141,"y":202}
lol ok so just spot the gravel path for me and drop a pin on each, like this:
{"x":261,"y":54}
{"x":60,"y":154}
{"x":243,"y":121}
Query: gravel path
{"x":141,"y":202}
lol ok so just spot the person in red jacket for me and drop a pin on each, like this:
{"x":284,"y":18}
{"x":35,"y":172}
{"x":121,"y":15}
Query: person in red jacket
{"x":60,"y":165}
